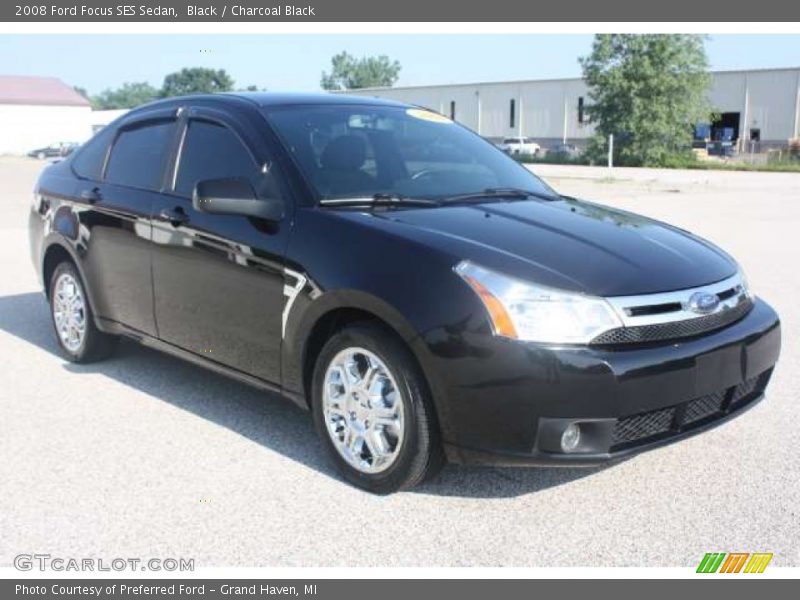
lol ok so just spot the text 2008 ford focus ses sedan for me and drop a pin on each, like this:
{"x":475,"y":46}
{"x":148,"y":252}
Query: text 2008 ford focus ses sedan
{"x":422,"y":293}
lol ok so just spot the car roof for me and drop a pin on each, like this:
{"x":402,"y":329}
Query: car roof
{"x":272,"y":99}
{"x":295,"y":98}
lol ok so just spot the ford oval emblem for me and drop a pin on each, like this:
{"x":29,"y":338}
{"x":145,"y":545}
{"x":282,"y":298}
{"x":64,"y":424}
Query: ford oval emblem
{"x":703,"y":303}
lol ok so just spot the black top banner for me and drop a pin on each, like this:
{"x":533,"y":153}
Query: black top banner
{"x":401,"y":11}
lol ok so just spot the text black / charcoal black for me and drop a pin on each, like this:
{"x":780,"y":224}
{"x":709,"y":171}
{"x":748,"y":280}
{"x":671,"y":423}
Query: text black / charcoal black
{"x":424,"y":295}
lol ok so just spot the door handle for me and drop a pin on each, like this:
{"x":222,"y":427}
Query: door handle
{"x":91,"y":196}
{"x":176,"y":216}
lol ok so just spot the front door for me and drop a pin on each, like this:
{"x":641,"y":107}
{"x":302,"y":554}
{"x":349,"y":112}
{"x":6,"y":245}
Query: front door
{"x":218,"y":279}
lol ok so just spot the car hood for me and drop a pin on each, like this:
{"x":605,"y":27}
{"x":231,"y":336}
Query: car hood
{"x":572,"y":245}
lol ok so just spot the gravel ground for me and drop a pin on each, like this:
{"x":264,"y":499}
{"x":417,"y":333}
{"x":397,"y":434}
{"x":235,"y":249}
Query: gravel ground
{"x":146,"y":456}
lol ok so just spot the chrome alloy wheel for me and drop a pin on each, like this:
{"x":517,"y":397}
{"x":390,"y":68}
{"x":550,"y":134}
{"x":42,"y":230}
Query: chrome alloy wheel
{"x":363,"y":410}
{"x":69,"y":312}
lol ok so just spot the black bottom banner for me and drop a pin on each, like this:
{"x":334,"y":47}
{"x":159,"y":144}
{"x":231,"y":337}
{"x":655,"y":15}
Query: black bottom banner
{"x":387,"y":589}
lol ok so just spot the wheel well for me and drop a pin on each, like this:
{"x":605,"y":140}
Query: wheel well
{"x":323,"y":329}
{"x":53,"y":257}
{"x":335,"y":320}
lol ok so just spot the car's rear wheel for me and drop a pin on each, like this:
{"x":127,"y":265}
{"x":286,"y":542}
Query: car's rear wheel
{"x":373,"y":412}
{"x":78,"y":337}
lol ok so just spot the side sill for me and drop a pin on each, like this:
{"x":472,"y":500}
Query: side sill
{"x":113,"y":327}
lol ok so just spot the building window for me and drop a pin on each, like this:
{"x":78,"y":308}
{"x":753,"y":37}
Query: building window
{"x":581,"y":111}
{"x":755,"y":134}
{"x":453,"y":110}
{"x":512,"y":111}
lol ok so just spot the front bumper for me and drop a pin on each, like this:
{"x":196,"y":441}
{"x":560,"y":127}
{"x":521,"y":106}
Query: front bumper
{"x":507,"y":403}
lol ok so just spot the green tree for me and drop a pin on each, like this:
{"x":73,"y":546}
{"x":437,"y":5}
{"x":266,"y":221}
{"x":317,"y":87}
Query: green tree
{"x":126,"y":96}
{"x":196,"y":80}
{"x":81,"y":91}
{"x":349,"y":72}
{"x":649,"y":91}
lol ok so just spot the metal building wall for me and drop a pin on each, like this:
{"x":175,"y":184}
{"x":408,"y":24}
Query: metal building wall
{"x":547,"y":110}
{"x":26,"y":127}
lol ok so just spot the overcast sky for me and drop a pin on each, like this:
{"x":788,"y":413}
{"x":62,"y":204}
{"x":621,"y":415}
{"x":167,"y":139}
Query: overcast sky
{"x":295,"y":62}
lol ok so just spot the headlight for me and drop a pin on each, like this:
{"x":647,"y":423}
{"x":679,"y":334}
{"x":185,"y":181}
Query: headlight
{"x":745,"y":289}
{"x":526,"y":311}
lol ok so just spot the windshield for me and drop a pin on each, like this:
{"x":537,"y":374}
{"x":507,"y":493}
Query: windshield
{"x":358,"y":151}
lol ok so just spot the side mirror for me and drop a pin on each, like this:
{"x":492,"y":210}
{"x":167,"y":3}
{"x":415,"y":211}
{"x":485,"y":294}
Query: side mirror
{"x":234,"y":196}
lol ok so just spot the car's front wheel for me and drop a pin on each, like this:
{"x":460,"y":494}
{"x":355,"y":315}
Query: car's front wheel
{"x":372,"y":409}
{"x":78,"y":337}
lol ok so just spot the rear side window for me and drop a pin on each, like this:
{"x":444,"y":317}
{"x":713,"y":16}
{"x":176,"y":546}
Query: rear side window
{"x":88,"y":162}
{"x":212,"y":151}
{"x":140,"y":154}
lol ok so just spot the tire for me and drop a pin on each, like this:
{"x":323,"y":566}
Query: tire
{"x":411,"y":440}
{"x":77,"y":344}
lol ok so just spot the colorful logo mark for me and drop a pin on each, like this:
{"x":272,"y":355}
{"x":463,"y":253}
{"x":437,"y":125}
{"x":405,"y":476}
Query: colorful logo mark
{"x":734,"y":562}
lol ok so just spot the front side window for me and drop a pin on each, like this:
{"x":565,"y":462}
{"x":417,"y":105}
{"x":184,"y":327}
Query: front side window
{"x":139,"y":155}
{"x":347,"y":151}
{"x":213,"y":151}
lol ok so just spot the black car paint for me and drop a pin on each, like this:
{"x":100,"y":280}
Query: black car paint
{"x":213,"y":289}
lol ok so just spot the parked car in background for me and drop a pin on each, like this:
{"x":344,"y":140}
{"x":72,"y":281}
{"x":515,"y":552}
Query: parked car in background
{"x":566,"y":151}
{"x":59,"y":149}
{"x":423,"y":305}
{"x":520,"y":146}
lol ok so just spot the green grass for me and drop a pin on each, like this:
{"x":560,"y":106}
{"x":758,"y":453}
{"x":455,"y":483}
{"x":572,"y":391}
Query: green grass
{"x":785,"y":166}
{"x":680,"y":162}
{"x":552,"y":159}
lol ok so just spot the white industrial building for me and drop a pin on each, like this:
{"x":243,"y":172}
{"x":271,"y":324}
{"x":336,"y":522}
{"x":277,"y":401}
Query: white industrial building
{"x":760,"y":106}
{"x":40,"y":111}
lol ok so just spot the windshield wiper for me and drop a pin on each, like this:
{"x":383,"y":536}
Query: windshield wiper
{"x":499,"y":193}
{"x":383,"y":200}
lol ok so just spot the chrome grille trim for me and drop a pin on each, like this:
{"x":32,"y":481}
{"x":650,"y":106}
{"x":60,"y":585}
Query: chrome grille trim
{"x":623,"y":305}
{"x":674,"y":330}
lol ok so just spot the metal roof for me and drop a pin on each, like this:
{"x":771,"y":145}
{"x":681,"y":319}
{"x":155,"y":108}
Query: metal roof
{"x":43,"y":91}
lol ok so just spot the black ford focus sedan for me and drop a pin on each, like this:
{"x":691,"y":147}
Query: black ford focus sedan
{"x":425,"y":296}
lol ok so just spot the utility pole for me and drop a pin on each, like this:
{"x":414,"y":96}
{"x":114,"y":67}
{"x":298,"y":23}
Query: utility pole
{"x":610,"y":151}
{"x":797,"y":108}
{"x":744,"y":123}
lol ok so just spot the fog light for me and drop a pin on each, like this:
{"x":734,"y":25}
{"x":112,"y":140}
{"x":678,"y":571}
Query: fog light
{"x":571,"y":437}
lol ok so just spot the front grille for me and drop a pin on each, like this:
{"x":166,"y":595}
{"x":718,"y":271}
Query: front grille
{"x":745,"y":391}
{"x":663,"y":422}
{"x":704,"y":406}
{"x":673,"y":330}
{"x":641,"y":426}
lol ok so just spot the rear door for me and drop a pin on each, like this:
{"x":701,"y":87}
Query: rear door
{"x":117,"y":220}
{"x":218,"y":279}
